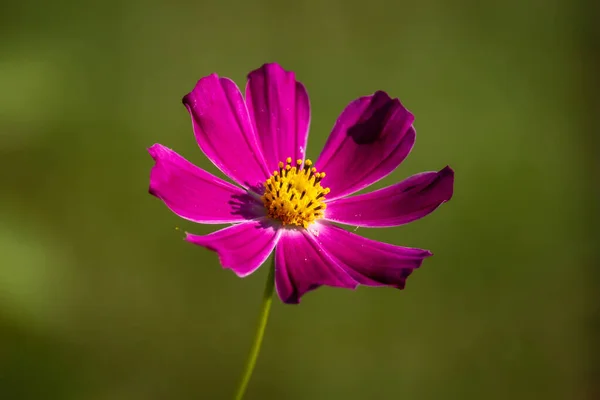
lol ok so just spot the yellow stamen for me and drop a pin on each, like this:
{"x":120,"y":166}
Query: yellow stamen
{"x":294,"y":195}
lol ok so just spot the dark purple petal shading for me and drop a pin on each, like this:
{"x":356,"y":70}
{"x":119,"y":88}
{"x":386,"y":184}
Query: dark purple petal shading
{"x":370,"y":262}
{"x":301,"y":266}
{"x":395,"y":205}
{"x":196,"y":195}
{"x":224,"y":131}
{"x":242,"y":247}
{"x":371,"y":137}
{"x":280,"y":109}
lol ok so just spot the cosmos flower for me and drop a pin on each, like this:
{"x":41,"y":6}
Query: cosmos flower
{"x":285,"y":203}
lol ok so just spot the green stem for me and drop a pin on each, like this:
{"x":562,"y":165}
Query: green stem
{"x":260,"y":333}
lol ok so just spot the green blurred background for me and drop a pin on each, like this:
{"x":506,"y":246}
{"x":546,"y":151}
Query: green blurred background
{"x":101,"y":299}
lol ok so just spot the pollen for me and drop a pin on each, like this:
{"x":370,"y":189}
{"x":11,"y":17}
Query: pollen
{"x":294,"y":195}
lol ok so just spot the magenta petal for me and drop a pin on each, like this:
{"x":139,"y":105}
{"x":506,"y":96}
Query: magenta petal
{"x":301,"y":265}
{"x":280,"y":110}
{"x":224,"y":131}
{"x":372,"y":136}
{"x":395,"y":205}
{"x":196,"y":195}
{"x":370,"y":262}
{"x":242,"y":247}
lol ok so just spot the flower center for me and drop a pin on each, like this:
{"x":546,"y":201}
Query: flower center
{"x":293,"y":195}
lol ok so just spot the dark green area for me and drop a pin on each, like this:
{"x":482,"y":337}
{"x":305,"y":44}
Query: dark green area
{"x":101,"y":299}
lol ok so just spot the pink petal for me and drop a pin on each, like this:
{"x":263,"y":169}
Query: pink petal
{"x":372,"y":136}
{"x":395,"y":205}
{"x":196,"y":195}
{"x":224,"y":131}
{"x":301,"y":266}
{"x":280,"y":110}
{"x":242,"y":247}
{"x":370,"y":262}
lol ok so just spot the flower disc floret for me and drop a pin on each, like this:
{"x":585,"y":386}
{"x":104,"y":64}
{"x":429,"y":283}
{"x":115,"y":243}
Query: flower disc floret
{"x":294,"y":195}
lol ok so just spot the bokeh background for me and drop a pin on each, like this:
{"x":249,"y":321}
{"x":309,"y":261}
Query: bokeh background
{"x":101,"y":299}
